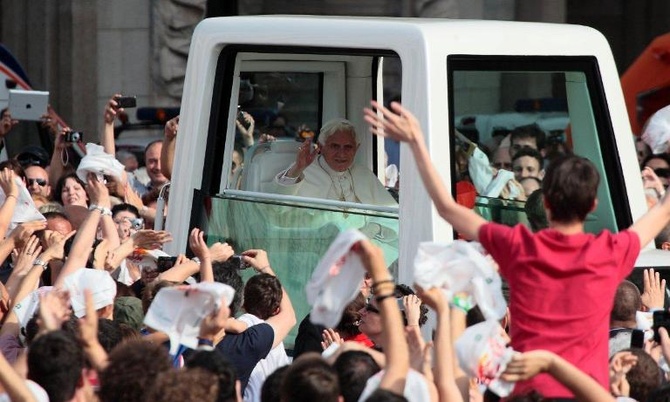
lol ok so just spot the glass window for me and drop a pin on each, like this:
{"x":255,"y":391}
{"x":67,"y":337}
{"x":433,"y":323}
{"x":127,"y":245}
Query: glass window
{"x":512,"y":117}
{"x":290,"y":96}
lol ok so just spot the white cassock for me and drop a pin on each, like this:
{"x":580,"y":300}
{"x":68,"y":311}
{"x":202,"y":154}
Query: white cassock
{"x":318,"y":180}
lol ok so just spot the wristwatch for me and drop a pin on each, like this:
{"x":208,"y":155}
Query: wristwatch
{"x":41,"y":263}
{"x":103,"y":210}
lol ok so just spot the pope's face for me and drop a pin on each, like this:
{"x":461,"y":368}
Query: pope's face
{"x":340,"y":150}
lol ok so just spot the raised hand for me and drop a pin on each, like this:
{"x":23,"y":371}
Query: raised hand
{"x":27,"y":254}
{"x":112,"y":109}
{"x":49,"y":121}
{"x":257,"y":259}
{"x":8,"y":184}
{"x":653,"y":294}
{"x":171,"y":128}
{"x":97,"y":191}
{"x":399,"y":124}
{"x":221,"y":251}
{"x":329,"y":337}
{"x":412,"y":305}
{"x":305,"y":156}
{"x":214,"y":323}
{"x":55,"y":243}
{"x":23,"y":231}
{"x":197,"y":244}
{"x":150,"y":239}
{"x":54,"y":309}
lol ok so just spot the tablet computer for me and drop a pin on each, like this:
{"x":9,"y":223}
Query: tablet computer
{"x":28,"y":105}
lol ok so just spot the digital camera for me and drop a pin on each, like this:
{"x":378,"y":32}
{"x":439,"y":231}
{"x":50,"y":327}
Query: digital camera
{"x":74,"y":136}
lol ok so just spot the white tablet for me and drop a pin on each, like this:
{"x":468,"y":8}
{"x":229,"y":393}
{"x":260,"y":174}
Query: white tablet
{"x":28,"y":105}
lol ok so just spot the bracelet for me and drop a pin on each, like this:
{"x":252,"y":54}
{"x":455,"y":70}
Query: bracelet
{"x":196,"y":260}
{"x":103,"y":211}
{"x":12,"y":195}
{"x":375,"y":284}
{"x":380,"y":298}
{"x":262,"y":270}
{"x":41,"y":263}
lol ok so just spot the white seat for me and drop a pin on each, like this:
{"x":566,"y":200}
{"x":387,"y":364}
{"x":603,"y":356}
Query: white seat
{"x":265,"y":161}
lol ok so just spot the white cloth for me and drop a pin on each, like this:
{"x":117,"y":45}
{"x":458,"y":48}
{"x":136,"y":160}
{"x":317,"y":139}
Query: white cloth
{"x":99,"y":161}
{"x":178,"y":311}
{"x":26,"y":308}
{"x":38,"y":392}
{"x":318,"y":180}
{"x":336,"y":280}
{"x":275,"y":359}
{"x":100,"y":283}
{"x":416,"y":388}
{"x":656,"y":132}
{"x":25,"y":210}
{"x":499,"y":182}
{"x":461,"y":267}
{"x":480,"y":171}
{"x":482,"y":353}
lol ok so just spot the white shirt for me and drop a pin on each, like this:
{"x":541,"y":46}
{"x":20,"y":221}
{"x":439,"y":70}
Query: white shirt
{"x":318,"y":180}
{"x":276,"y":358}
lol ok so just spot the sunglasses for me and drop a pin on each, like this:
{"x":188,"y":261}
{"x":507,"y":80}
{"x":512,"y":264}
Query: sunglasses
{"x":661,"y":172}
{"x":371,"y":309}
{"x":40,"y":182}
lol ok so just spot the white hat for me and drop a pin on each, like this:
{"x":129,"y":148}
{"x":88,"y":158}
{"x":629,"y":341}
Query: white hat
{"x":336,"y":280}
{"x":656,"y":132}
{"x":460,"y":267}
{"x":100,"y":283}
{"x":178,"y":311}
{"x":98,"y":161}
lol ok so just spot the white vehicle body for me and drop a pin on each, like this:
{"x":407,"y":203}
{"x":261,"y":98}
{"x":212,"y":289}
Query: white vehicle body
{"x":348,"y":52}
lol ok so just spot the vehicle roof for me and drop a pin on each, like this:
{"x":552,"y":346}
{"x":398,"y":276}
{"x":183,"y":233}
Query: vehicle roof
{"x":402,"y":33}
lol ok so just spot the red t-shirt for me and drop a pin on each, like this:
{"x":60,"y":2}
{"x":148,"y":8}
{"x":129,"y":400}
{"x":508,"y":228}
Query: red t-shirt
{"x":561,"y":294}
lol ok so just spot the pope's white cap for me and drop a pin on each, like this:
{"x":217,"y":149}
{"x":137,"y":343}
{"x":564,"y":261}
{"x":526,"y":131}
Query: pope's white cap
{"x":98,"y":161}
{"x":656,"y":132}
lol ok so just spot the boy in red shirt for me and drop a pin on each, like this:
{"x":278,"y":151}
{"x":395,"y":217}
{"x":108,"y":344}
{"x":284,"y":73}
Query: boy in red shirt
{"x":562,"y":280}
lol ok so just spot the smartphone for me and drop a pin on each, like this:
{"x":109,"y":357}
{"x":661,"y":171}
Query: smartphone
{"x":165,"y":263}
{"x":126,"y":101}
{"x":661,"y":319}
{"x":637,"y":339}
{"x":238,"y":262}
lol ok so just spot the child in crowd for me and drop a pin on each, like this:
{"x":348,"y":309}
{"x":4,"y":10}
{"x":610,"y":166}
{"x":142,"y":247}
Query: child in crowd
{"x":562,"y":280}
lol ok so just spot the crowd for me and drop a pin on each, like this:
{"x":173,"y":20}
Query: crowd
{"x":92,"y":309}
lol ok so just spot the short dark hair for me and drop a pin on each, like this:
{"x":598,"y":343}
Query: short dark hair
{"x":534,"y":208}
{"x":132,"y":370}
{"x":570,"y":186}
{"x":61,"y":183}
{"x":216,"y":363}
{"x":226,"y":272}
{"x":15,"y":166}
{"x":644,"y":376}
{"x":529,"y":131}
{"x":55,"y":362}
{"x":270,"y":391}
{"x":528,"y":151}
{"x":310,"y":378}
{"x":627,"y":301}
{"x":353,"y":368}
{"x":125,"y":207}
{"x":109,"y":334}
{"x":662,"y":237}
{"x":151,"y":144}
{"x":262,"y":295}
{"x":187,"y":385}
{"x":664,"y":156}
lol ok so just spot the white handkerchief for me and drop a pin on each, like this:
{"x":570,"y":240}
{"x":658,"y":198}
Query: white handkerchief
{"x":178,"y":311}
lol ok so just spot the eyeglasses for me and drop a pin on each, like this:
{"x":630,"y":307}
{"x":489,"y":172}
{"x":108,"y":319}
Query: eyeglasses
{"x":40,"y":182}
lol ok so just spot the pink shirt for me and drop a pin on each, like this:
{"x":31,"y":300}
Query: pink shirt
{"x":561,"y":294}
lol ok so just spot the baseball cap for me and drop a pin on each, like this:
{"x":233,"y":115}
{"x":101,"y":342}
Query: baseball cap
{"x":128,"y":310}
{"x":33,"y":155}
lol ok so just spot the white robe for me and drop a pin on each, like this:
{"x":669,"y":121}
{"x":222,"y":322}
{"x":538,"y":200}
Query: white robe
{"x":318,"y":180}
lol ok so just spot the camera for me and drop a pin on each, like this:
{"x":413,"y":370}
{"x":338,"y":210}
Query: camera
{"x":126,"y":102}
{"x":165,"y":263}
{"x":238,"y":262}
{"x":137,"y":223}
{"x":73,"y":136}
